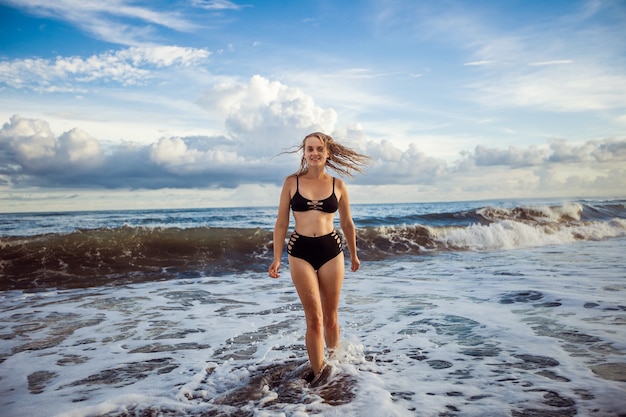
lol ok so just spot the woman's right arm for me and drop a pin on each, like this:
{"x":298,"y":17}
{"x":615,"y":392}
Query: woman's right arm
{"x":280,"y":228}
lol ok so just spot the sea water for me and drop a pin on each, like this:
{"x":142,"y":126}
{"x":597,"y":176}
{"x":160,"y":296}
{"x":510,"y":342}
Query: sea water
{"x":459,"y":309}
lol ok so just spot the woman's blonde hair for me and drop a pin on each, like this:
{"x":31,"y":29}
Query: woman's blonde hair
{"x":341,"y":159}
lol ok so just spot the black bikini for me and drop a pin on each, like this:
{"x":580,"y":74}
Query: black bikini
{"x":320,"y":249}
{"x":327,"y":205}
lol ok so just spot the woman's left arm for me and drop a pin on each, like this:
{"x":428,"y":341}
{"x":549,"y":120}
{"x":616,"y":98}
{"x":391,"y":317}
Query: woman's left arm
{"x":347,"y":225}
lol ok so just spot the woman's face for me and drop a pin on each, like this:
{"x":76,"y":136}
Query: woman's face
{"x":315,"y":153}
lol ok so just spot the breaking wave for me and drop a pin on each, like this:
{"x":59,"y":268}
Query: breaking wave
{"x":491,"y":228}
{"x":118,"y":255}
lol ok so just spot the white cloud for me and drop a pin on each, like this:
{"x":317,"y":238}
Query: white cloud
{"x":480,"y":63}
{"x":559,"y":152}
{"x":261,"y":117}
{"x":77,"y":148}
{"x":216,"y":5}
{"x":569,"y":63}
{"x":32,"y":142}
{"x":129,"y":66}
{"x":32,"y":155}
{"x":513,"y":156}
{"x":176,"y":156}
{"x":266,"y":114}
{"x":391,"y":165}
{"x":609,"y":150}
{"x":553,"y":62}
{"x":161,"y":56}
{"x":106,"y":19}
{"x":38,"y":152}
{"x":549,"y":87}
{"x":562,"y":151}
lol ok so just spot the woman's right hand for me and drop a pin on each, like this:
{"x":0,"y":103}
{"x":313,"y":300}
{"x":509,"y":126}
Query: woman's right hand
{"x":273,"y":270}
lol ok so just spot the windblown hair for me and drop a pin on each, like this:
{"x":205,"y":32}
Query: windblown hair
{"x":341,"y":159}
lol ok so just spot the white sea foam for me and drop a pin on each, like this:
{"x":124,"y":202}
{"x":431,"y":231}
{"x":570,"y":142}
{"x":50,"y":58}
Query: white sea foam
{"x":510,"y":234}
{"x":482,"y":333}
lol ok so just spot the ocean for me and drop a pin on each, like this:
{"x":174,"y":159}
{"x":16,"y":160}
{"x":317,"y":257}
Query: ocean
{"x":488,"y":308}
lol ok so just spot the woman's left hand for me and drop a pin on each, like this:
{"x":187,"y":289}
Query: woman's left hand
{"x":356,"y":264}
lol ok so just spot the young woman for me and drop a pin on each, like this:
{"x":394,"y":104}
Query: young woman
{"x":316,"y":259}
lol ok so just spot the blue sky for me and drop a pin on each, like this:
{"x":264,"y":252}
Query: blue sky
{"x":187,"y":103}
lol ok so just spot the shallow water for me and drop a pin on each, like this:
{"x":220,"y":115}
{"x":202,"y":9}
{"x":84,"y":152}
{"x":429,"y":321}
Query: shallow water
{"x":524,"y":332}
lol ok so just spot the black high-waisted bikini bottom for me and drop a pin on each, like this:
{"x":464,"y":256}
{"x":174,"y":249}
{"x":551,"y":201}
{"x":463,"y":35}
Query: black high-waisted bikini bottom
{"x":315,"y":250}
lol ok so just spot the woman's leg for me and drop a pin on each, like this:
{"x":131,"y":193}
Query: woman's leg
{"x":330,"y":277}
{"x":307,"y":285}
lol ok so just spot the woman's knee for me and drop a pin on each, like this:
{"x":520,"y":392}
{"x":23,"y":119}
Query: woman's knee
{"x":315,"y":322}
{"x":314,"y":319}
{"x":331,"y":321}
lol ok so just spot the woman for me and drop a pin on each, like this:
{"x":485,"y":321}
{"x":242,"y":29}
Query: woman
{"x":315,"y":251}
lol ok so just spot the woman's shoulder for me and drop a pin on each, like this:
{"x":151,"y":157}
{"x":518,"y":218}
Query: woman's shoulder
{"x":290,"y":180}
{"x":339,"y":182}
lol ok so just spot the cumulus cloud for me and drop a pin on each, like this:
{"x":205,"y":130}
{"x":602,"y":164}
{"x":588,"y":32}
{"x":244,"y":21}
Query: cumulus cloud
{"x":176,"y":156}
{"x":609,"y":150}
{"x":31,"y":146}
{"x":513,"y":156}
{"x":394,"y":166}
{"x":31,"y":155}
{"x":130,"y":66}
{"x":264,"y":114}
{"x":78,"y":149}
{"x":562,"y":151}
{"x":559,"y":151}
{"x":261,"y":119}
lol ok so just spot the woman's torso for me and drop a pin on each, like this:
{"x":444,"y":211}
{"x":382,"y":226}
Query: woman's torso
{"x":314,"y":202}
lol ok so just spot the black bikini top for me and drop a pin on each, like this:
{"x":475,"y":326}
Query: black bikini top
{"x":327,"y":205}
